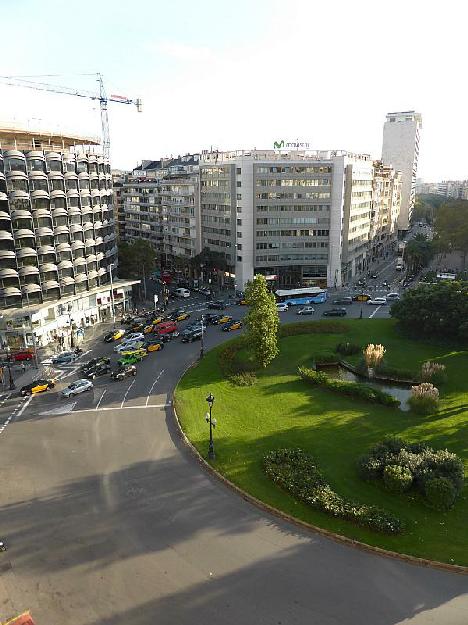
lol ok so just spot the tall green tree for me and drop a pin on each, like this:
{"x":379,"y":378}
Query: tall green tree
{"x":419,"y":252}
{"x":451,"y":225}
{"x":262,"y":321}
{"x":135,"y":258}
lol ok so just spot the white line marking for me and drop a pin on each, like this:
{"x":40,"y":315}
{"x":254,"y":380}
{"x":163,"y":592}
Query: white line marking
{"x":100,"y":399}
{"x":25,"y":405}
{"x":108,"y":408}
{"x":126,"y":393}
{"x":372,"y":315}
{"x":152,"y":386}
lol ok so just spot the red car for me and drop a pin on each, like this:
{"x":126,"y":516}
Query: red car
{"x":167,"y":327}
{"x":24,"y":354}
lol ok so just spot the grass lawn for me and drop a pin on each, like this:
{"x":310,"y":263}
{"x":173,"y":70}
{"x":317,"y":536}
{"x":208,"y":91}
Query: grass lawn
{"x":281,"y":410}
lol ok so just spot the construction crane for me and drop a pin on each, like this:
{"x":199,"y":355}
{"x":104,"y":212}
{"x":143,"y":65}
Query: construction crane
{"x":19,"y":81}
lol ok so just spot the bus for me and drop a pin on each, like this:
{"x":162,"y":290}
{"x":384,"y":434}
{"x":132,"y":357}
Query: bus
{"x":301,"y":297}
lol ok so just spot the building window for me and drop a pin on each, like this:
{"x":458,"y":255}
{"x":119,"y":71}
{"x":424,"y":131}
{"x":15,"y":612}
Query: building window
{"x":239,"y":196}
{"x":239,"y":183}
{"x":238,"y":171}
{"x":239,"y":246}
{"x":239,"y":235}
{"x":239,"y":258}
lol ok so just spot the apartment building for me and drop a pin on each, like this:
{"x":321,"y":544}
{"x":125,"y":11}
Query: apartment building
{"x":57,"y":237}
{"x":118,"y":179}
{"x":299,"y":217}
{"x":386,"y":202}
{"x":400,"y":150}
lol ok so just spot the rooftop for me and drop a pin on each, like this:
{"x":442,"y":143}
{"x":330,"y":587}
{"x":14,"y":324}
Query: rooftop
{"x":16,"y":137}
{"x":279,"y":155}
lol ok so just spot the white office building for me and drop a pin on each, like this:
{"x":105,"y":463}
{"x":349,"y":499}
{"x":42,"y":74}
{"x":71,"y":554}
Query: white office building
{"x":400,"y":150}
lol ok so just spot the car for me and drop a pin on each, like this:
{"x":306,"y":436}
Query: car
{"x":167,"y":327}
{"x":21,"y":355}
{"x":37,"y":386}
{"x":128,"y":345}
{"x":241,"y":301}
{"x":217,"y":305}
{"x":211,"y":319}
{"x":114,"y":335}
{"x":222,"y":319}
{"x":65,"y":358}
{"x":361,"y":297}
{"x":165,"y":338}
{"x":179,"y":316}
{"x":335,"y":312}
{"x":232,"y":325}
{"x":94,"y":362}
{"x":124,"y":372}
{"x":306,"y":310}
{"x":153,"y":345}
{"x":385,"y":284}
{"x":204,"y":291}
{"x":99,"y":369}
{"x":75,"y":388}
{"x":134,"y":336}
{"x":134,"y":350}
{"x":182,"y":292}
{"x":343,"y":301}
{"x":148,"y":329}
{"x":194,"y":335}
{"x":192,"y":327}
{"x":374,"y":276}
{"x":131,"y":359}
{"x":377,"y":301}
{"x":393,"y":296}
{"x":156,"y":319}
{"x":281,"y":307}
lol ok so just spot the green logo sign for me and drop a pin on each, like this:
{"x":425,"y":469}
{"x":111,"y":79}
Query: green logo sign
{"x":291,"y":145}
{"x":277,"y":145}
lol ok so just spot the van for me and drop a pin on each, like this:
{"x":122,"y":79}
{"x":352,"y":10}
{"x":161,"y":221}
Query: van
{"x":182,"y":292}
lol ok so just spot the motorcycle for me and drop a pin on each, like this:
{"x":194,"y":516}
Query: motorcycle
{"x":2,"y":546}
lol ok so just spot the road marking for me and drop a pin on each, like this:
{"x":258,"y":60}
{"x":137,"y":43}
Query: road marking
{"x":63,"y":409}
{"x":25,"y":405}
{"x":109,"y":408}
{"x":100,"y":399}
{"x":152,"y":386}
{"x":126,"y":393}
{"x":372,"y":314}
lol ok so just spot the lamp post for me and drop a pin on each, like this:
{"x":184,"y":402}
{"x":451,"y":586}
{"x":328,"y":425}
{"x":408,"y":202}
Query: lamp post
{"x":202,"y":351}
{"x":212,"y":422}
{"x":112,"y":293}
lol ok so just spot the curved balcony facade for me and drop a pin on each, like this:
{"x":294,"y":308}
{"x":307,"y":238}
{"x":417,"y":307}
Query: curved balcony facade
{"x":51,"y":214}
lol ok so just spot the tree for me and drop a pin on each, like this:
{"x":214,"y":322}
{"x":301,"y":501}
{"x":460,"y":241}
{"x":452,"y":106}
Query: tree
{"x":434,"y":310}
{"x":419,"y":252}
{"x":262,"y":321}
{"x":136,"y":257}
{"x":451,"y":225}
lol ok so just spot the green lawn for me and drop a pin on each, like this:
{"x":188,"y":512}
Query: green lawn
{"x":281,"y":410}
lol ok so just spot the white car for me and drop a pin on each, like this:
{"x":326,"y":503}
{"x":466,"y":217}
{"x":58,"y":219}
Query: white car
{"x":75,"y":388}
{"x":377,"y":301}
{"x":282,"y":307}
{"x":393,"y":297}
{"x":127,"y":345}
{"x":307,"y":310}
{"x":135,"y":336}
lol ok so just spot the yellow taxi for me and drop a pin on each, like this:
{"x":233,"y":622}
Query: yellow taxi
{"x":224,"y":319}
{"x":154,"y":346}
{"x":233,"y":325}
{"x":149,"y":328}
{"x":38,"y":386}
{"x":181,"y":316}
{"x":157,"y":320}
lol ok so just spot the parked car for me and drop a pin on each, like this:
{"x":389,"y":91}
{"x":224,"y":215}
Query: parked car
{"x":306,"y":310}
{"x":335,"y":312}
{"x":115,"y":335}
{"x":124,"y":372}
{"x":217,"y":305}
{"x":377,"y":301}
{"x":191,"y":327}
{"x":343,"y":301}
{"x":374,"y":276}
{"x":180,"y":315}
{"x":167,"y":327}
{"x":194,"y":335}
{"x":75,"y":388}
{"x":282,"y":307}
{"x":38,"y":386}
{"x":99,"y":369}
{"x":361,"y":297}
{"x":93,"y":363}
{"x":65,"y":358}
{"x":232,"y":325}
{"x":134,"y":350}
{"x":153,"y":346}
{"x":21,"y":355}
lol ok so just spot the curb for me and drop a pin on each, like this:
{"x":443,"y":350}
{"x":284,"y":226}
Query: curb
{"x":338,"y":538}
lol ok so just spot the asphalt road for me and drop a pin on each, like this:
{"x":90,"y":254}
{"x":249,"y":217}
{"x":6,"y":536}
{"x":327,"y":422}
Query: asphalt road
{"x":109,"y":520}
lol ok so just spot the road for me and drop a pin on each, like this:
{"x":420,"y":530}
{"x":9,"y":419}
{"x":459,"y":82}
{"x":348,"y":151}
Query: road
{"x":109,"y":520}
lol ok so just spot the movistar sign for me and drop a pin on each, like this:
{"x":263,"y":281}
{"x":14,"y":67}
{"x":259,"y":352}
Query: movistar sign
{"x":290,"y":145}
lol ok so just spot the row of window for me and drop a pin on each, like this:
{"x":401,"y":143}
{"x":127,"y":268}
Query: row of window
{"x":285,"y":221}
{"x":295,"y":169}
{"x":274,"y":245}
{"x":14,"y":163}
{"x":292,"y":182}
{"x":289,"y":257}
{"x":292,"y":233}
{"x":308,"y":195}
{"x":223,"y":184}
{"x":56,"y":184}
{"x":292,"y":208}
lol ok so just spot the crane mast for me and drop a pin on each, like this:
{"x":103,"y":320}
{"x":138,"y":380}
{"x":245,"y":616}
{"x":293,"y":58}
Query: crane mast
{"x":18,"y":81}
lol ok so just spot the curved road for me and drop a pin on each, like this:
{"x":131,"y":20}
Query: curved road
{"x":109,"y":520}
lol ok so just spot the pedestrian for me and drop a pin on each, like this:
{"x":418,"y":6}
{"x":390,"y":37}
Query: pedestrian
{"x":23,"y":367}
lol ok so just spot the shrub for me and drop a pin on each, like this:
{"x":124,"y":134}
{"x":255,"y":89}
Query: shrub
{"x":297,"y":472}
{"x":244,"y":378}
{"x":230,"y":361}
{"x":433,"y":372}
{"x":313,"y":327}
{"x":324,"y":358}
{"x":424,"y":398}
{"x":396,"y":478}
{"x":422,"y":462}
{"x":387,"y":371}
{"x":373,"y":354}
{"x":440,"y":493}
{"x":352,"y":389}
{"x":347,"y":348}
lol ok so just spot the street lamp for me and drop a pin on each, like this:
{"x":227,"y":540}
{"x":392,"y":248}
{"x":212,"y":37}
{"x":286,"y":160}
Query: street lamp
{"x":211,"y":452}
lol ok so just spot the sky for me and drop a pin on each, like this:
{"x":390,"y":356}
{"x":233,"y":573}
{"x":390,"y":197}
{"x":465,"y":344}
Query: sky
{"x":240,"y":74}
